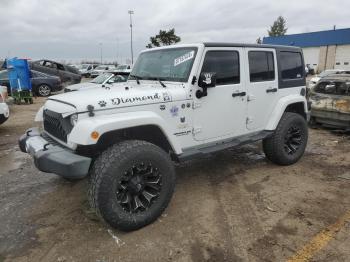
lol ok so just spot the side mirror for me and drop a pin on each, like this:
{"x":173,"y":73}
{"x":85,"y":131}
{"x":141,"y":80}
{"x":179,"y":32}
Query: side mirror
{"x":206,"y":80}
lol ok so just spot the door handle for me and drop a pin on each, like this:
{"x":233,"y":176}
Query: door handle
{"x":271,"y":90}
{"x":239,"y":94}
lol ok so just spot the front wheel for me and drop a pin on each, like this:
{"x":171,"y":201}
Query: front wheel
{"x":131,"y":184}
{"x":44,"y":90}
{"x":287,"y":145}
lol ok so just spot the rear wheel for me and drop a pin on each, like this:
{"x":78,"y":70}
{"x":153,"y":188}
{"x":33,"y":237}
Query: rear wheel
{"x":44,"y":90}
{"x":287,"y":145}
{"x":131,"y":184}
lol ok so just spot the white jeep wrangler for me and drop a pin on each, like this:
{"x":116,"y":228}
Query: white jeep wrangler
{"x":180,"y":102}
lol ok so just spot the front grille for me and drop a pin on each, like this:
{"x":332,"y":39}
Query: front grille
{"x":56,"y":125}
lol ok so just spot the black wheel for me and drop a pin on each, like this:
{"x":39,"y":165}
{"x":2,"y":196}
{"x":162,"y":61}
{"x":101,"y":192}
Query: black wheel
{"x":287,"y":145}
{"x":3,"y":118}
{"x":44,"y":90}
{"x":131,"y":183}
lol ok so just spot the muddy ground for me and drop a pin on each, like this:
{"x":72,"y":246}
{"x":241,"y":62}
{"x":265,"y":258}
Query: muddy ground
{"x":233,"y":206}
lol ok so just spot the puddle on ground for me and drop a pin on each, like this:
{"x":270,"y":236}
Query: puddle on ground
{"x":11,"y":159}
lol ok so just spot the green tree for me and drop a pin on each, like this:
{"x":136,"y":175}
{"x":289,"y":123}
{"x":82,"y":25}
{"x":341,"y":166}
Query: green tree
{"x":279,"y":27}
{"x":164,"y":38}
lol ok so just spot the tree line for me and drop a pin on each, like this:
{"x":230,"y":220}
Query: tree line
{"x":164,"y":37}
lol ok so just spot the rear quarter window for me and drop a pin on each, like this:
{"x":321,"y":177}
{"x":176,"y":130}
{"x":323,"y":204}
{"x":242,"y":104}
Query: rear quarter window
{"x":291,"y":64}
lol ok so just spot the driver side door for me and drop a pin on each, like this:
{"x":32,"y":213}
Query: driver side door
{"x":222,"y":113}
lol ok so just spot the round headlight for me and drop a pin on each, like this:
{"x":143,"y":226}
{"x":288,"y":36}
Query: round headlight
{"x":74,"y":119}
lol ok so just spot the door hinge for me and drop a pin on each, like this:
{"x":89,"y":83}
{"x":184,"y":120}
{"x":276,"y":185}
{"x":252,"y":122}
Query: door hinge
{"x":249,"y":120}
{"x":196,"y":129}
{"x":196,"y":105}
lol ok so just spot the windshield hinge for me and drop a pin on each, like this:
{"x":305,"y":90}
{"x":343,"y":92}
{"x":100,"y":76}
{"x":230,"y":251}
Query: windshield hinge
{"x":196,"y":129}
{"x":196,"y":105}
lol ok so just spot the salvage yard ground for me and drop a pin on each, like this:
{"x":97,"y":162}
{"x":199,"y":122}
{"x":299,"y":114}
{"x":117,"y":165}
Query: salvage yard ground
{"x":233,"y":206}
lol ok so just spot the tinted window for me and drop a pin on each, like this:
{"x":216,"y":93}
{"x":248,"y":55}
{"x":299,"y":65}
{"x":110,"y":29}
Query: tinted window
{"x":261,"y":66}
{"x":225,"y":64}
{"x":3,"y":75}
{"x":291,"y":65}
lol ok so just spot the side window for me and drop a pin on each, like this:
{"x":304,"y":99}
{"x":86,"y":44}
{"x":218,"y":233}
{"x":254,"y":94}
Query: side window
{"x":60,"y":67}
{"x":291,"y":65}
{"x":3,"y":75}
{"x":225,"y":64}
{"x":261,"y":66}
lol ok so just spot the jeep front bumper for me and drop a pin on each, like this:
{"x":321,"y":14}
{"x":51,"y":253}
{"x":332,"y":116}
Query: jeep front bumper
{"x":51,"y":158}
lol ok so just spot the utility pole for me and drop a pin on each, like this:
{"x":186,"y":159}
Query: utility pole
{"x":131,"y":12}
{"x":100,"y":44}
{"x":117,"y":50}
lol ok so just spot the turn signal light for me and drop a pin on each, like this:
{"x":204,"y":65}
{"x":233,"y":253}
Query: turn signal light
{"x":95,"y":135}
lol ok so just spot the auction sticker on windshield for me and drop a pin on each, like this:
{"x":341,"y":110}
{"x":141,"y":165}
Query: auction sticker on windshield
{"x":183,"y":58}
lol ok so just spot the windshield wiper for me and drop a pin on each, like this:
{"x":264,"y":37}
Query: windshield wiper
{"x":137,"y":78}
{"x":157,"y":79}
{"x":160,"y":82}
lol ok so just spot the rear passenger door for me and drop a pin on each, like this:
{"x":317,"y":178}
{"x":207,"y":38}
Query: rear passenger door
{"x":262,"y":84}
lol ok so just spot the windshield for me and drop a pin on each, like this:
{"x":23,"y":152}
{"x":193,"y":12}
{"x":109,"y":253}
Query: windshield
{"x":100,"y":68}
{"x":101,"y":78}
{"x":166,"y":64}
{"x":84,"y":66}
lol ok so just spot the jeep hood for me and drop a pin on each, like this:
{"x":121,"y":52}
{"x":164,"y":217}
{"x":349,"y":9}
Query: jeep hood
{"x":82,"y":86}
{"x":117,"y":96}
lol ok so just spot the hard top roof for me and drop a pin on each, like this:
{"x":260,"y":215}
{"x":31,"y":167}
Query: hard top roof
{"x":224,"y":44}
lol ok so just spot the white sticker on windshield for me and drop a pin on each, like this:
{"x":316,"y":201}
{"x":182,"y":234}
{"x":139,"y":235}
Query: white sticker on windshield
{"x":183,"y":58}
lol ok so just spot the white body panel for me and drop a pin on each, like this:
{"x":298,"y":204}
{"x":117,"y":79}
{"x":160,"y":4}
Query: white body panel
{"x":260,"y":103}
{"x":219,"y":114}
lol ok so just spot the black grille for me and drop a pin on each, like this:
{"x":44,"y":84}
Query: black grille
{"x":56,"y":125}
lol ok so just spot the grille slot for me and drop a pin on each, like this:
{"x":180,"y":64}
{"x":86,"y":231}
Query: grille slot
{"x":56,"y":125}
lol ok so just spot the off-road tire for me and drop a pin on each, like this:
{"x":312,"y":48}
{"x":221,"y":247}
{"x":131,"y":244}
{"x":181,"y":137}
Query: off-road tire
{"x":109,"y":169}
{"x":3,"y":119}
{"x":275,"y":146}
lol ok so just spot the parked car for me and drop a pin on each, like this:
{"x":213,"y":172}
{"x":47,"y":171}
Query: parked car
{"x":86,"y":69}
{"x":42,"y":84}
{"x":102,"y":69}
{"x":123,"y":68}
{"x":315,"y":79}
{"x":330,"y":101}
{"x":4,"y":109}
{"x":103,"y":79}
{"x":66,"y":73}
{"x":309,"y":70}
{"x":179,"y":103}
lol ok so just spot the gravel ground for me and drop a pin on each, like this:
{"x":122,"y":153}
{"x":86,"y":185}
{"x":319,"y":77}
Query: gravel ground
{"x":232,"y":206}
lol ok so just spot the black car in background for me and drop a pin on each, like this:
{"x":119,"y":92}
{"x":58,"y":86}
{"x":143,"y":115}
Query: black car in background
{"x":42,"y":84}
{"x":68,"y":74}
